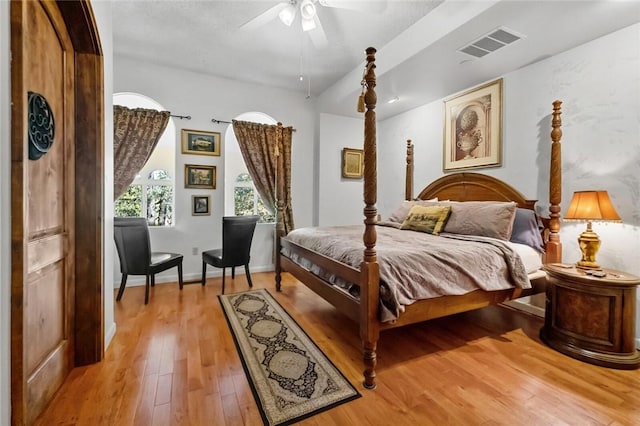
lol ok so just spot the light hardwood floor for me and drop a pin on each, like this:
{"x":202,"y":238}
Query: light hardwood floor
{"x":173,"y":362}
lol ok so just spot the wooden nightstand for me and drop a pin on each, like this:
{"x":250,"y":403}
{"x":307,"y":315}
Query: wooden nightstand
{"x":590,"y":318}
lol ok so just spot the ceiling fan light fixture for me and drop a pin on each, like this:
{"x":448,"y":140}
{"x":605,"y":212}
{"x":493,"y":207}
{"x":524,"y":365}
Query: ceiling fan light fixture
{"x":288,"y":14}
{"x":307,"y":9}
{"x":308,"y":24}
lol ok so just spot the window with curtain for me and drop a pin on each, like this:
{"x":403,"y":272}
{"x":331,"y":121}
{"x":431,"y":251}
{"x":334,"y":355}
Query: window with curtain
{"x":241,"y":196}
{"x":151,"y":194}
{"x":246,"y":200}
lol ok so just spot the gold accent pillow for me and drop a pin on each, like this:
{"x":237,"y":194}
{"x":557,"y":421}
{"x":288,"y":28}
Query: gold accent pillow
{"x":429,"y":219}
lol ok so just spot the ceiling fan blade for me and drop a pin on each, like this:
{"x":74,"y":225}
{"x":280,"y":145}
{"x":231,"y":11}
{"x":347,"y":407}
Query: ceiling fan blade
{"x":265,"y":17}
{"x":363,"y":6}
{"x":317,"y":35}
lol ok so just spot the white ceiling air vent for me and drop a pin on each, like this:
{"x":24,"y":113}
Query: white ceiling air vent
{"x":491,"y":42}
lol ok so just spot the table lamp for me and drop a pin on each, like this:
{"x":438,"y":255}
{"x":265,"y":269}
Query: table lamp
{"x":590,"y":206}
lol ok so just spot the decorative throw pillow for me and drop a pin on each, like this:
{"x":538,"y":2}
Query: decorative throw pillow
{"x":389,"y":223}
{"x":400,"y":214}
{"x":484,"y":218}
{"x":429,"y":219}
{"x":527,"y":229}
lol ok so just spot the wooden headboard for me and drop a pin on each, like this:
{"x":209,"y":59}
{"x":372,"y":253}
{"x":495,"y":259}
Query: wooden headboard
{"x":478,"y":187}
{"x":474,"y":187}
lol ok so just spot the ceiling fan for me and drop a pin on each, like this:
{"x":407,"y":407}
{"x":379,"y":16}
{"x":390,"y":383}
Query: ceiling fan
{"x":287,"y":11}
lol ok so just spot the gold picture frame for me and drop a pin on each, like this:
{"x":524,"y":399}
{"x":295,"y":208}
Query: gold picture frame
{"x":352,"y":163}
{"x":200,"y":142}
{"x":473,"y":128}
{"x":199,"y":176}
{"x":200,"y":205}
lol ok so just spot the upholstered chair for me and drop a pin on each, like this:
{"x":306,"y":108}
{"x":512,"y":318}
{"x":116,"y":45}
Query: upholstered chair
{"x":136,"y":258}
{"x":237,"y":235}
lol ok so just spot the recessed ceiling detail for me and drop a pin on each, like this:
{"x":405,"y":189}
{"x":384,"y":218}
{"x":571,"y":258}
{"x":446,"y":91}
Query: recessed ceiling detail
{"x":491,"y":42}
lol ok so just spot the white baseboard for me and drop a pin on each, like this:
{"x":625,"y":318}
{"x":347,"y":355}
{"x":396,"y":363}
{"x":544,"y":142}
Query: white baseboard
{"x":108,"y":335}
{"x":139,"y":280}
{"x":528,"y":305}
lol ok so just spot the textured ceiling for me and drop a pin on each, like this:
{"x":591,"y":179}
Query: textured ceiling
{"x":208,"y":37}
{"x":417,"y":41}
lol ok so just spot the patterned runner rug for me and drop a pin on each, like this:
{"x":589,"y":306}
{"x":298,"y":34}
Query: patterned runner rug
{"x":290,"y":377}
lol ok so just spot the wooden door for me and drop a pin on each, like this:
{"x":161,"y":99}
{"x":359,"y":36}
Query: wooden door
{"x":56,"y":273}
{"x":43,"y":224}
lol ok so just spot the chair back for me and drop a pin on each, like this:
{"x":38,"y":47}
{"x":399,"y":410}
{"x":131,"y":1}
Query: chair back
{"x":133,"y":244}
{"x":237,"y":234}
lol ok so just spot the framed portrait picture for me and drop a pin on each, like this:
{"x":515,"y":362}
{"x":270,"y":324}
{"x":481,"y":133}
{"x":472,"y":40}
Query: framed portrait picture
{"x":200,"y":142}
{"x":198,"y":176}
{"x":473,"y":128}
{"x":352,"y":163}
{"x":200,"y":205}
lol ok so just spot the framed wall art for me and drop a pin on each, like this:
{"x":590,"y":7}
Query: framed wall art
{"x":200,"y":205}
{"x":352,"y":163}
{"x":199,"y":176}
{"x":200,"y":142}
{"x":473,"y":128}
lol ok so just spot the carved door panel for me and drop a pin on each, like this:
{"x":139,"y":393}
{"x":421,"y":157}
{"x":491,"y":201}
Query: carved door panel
{"x":43,"y":222}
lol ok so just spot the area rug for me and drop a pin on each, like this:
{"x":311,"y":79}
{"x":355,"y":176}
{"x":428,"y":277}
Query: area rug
{"x":290,"y":377}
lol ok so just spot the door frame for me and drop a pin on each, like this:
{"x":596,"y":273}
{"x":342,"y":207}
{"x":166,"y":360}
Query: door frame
{"x":88,"y":328}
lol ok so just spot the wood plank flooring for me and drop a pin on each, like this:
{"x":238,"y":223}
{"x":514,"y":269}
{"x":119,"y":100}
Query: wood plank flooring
{"x":173,"y":362}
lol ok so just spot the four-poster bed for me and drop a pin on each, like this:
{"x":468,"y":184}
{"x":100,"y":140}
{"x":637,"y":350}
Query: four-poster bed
{"x":365,"y":306}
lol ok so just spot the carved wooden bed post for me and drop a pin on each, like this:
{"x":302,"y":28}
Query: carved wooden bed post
{"x":279,"y":206}
{"x":369,"y":269}
{"x":554,"y":246}
{"x":408,"y":182}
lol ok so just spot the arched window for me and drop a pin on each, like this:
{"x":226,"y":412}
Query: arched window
{"x":151,"y":194}
{"x":241,"y":196}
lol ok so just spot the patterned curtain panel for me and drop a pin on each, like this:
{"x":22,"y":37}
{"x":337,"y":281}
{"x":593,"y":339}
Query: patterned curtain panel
{"x":260,"y":145}
{"x":136,"y":133}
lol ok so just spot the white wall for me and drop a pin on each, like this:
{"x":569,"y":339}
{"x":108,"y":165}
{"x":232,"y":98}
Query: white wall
{"x":599,"y":84}
{"x":102,"y":12}
{"x":341,"y":201}
{"x":5,"y":219}
{"x":204,"y":97}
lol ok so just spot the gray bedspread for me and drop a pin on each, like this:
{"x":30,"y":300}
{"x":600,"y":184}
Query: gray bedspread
{"x":416,"y":265}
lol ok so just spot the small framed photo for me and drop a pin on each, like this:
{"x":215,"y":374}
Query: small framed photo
{"x":200,"y":205}
{"x":200,"y":142}
{"x":199,"y":176}
{"x":352,"y":163}
{"x":473,"y":128}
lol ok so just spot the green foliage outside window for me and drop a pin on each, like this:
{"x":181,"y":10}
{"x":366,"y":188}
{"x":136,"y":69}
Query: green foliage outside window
{"x":159,"y":205}
{"x":243,"y":200}
{"x":130,"y":203}
{"x":159,"y":201}
{"x":265,"y":215}
{"x":248,"y":202}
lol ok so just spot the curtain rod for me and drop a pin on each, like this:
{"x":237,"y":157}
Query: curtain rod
{"x":213,"y":120}
{"x":182,"y":117}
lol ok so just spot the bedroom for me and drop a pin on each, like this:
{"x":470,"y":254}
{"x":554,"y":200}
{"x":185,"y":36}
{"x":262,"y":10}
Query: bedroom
{"x":605,"y":156}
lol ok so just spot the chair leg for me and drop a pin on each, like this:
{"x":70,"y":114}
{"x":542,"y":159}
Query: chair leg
{"x":123,"y":282}
{"x":223,"y":274}
{"x":246,"y":271}
{"x":233,"y":272}
{"x":180,"y":282}
{"x":204,"y":272}
{"x":153,"y":280}
{"x":146,"y":291}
